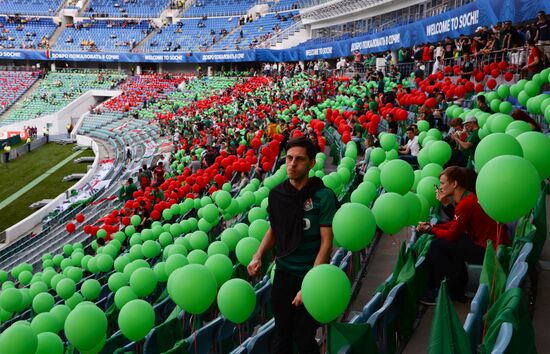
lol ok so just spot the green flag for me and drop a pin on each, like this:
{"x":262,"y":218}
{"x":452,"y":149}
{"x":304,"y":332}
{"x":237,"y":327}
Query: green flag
{"x":385,"y":287}
{"x":447,"y":334}
{"x":358,"y":337}
{"x":492,"y":269}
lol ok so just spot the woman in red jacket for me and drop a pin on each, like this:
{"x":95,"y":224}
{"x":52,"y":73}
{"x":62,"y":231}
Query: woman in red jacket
{"x":462,"y":239}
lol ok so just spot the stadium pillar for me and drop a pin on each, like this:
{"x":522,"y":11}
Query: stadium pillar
{"x":209,"y":71}
{"x":52,"y":67}
{"x":160,"y":68}
{"x":138,"y":69}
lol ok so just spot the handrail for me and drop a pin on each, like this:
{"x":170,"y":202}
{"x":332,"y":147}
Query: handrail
{"x":273,"y":40}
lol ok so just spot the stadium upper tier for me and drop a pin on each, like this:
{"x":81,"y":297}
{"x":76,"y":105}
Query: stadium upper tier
{"x":25,"y":33}
{"x":30,"y":7}
{"x":114,"y":36}
{"x":219,"y":8}
{"x":126,"y":8}
{"x":57,"y":90}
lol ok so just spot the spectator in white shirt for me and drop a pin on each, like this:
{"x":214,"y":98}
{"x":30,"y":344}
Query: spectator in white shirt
{"x":409,"y":151}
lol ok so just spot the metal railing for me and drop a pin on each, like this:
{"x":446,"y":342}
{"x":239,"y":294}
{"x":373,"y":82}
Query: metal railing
{"x":279,"y":37}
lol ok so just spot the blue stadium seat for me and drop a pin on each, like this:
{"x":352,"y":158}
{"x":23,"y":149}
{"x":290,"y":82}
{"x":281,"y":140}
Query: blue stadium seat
{"x":474,"y":321}
{"x":163,"y":309}
{"x":202,"y":340}
{"x":115,"y":8}
{"x":384,"y":319}
{"x":371,"y":307}
{"x":517,"y":274}
{"x":261,"y":342}
{"x":504,"y":338}
{"x":525,"y":252}
{"x":30,"y":7}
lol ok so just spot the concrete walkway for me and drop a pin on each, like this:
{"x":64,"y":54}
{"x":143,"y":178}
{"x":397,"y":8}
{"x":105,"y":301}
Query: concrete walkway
{"x":37,"y":180}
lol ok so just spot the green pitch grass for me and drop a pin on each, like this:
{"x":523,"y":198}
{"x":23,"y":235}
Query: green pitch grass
{"x":18,"y":173}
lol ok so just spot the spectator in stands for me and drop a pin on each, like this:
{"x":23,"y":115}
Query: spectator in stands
{"x":419,"y":72}
{"x":468,"y":146}
{"x":467,"y":67}
{"x":409,"y":151}
{"x":439,"y":65}
{"x":144,"y":177}
{"x":534,"y":61}
{"x":481,"y":103}
{"x":462,"y":239}
{"x":542,"y":33}
{"x":158,"y":173}
{"x":297,"y":200}
{"x":126,"y":192}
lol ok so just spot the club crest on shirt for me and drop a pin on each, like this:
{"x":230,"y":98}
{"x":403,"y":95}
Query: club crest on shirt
{"x":308,"y":205}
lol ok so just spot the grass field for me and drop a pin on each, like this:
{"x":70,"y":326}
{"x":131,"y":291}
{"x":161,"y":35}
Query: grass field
{"x":18,"y":173}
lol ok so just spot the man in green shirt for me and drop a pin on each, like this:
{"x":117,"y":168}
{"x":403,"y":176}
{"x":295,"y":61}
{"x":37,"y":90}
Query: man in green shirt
{"x":300,"y":213}
{"x":126,"y":193}
{"x":468,"y":147}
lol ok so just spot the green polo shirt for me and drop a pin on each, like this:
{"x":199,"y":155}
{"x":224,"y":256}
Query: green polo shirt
{"x":318,"y":212}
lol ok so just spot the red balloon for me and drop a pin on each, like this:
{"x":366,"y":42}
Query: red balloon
{"x":88,"y":229}
{"x":80,"y":217}
{"x":495,"y":73}
{"x":431,"y":102}
{"x":70,"y":227}
{"x":508,"y":76}
{"x":155,"y":215}
{"x":255,"y":143}
{"x":480,"y":76}
{"x":479,"y":88}
{"x":126,"y":221}
{"x":502,"y":65}
{"x":491,"y":84}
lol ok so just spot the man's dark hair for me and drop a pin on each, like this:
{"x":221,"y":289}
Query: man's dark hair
{"x":304,"y":142}
{"x":482,"y":99}
{"x":466,"y":178}
{"x":410,"y":129}
{"x":130,"y":180}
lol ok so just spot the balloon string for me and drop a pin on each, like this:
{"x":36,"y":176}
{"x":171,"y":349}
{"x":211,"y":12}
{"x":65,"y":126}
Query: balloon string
{"x":324,"y":340}
{"x":240,"y":337}
{"x":492,"y":293}
{"x":194,"y":337}
{"x":137,"y":348}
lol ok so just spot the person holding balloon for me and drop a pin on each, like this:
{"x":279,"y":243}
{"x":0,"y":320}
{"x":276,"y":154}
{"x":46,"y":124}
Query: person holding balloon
{"x":301,"y":210}
{"x":462,"y":239}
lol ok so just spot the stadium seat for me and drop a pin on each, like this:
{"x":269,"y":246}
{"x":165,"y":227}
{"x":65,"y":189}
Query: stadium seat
{"x":164,"y":336}
{"x":114,"y":342}
{"x":383,"y":321}
{"x":517,"y":274}
{"x":372,"y":306}
{"x":261,"y":342}
{"x":163,"y":309}
{"x":474,"y":321}
{"x":504,"y":338}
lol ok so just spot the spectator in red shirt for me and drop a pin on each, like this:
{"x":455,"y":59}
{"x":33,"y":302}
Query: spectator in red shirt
{"x":158,"y":172}
{"x":534,"y":61}
{"x":462,"y":239}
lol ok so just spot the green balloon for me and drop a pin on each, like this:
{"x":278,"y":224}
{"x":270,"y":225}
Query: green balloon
{"x":223,"y":199}
{"x":121,"y":262}
{"x":210,"y":213}
{"x":373,"y":175}
{"x":415,"y":208}
{"x":101,"y":233}
{"x":25,"y":277}
{"x":19,"y":338}
{"x":498,"y":178}
{"x":536,"y":149}
{"x":439,"y":152}
{"x":197,"y":257}
{"x":236,"y":300}
{"x":135,"y":220}
{"x":167,"y":214}
{"x":426,"y":187}
{"x":377,"y":156}
{"x":37,"y":288}
{"x":390,"y":212}
{"x":90,"y":289}
{"x":85,"y":327}
{"x":532,"y":88}
{"x":124,"y":295}
{"x":218,"y":247}
{"x":205,"y":225}
{"x":503,"y":91}
{"x":242,"y":228}
{"x":104,"y":262}
{"x":136,"y":319}
{"x":221,"y":266}
{"x":199,"y":240}
{"x":494,"y":145}
{"x":174,"y":262}
{"x":45,"y":322}
{"x":360,"y":235}
{"x":43,"y":302}
{"x":176,"y":230}
{"x":49,"y":343}
{"x":160,"y":272}
{"x":256,"y":213}
{"x":60,"y":312}
{"x":423,"y":125}
{"x":65,"y":288}
{"x":397,"y":176}
{"x":431,"y":169}
{"x":193,"y":288}
{"x":326,"y":292}
{"x":75,"y":274}
{"x":364,"y":194}
{"x":143,"y":281}
{"x":258,"y":228}
{"x":245,"y":250}
{"x":150,"y":249}
{"x":388,"y":142}
{"x":505,"y":107}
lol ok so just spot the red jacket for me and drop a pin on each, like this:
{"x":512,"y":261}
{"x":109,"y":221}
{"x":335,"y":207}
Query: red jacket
{"x":472,"y":221}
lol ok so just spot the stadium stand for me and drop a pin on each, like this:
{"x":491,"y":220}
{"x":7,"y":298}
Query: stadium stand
{"x":103,"y":35}
{"x":26,"y":33}
{"x":224,"y":137}
{"x":30,"y":7}
{"x":205,"y":8}
{"x":58,"y":89}
{"x":126,"y":9}
{"x":14,"y":84}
